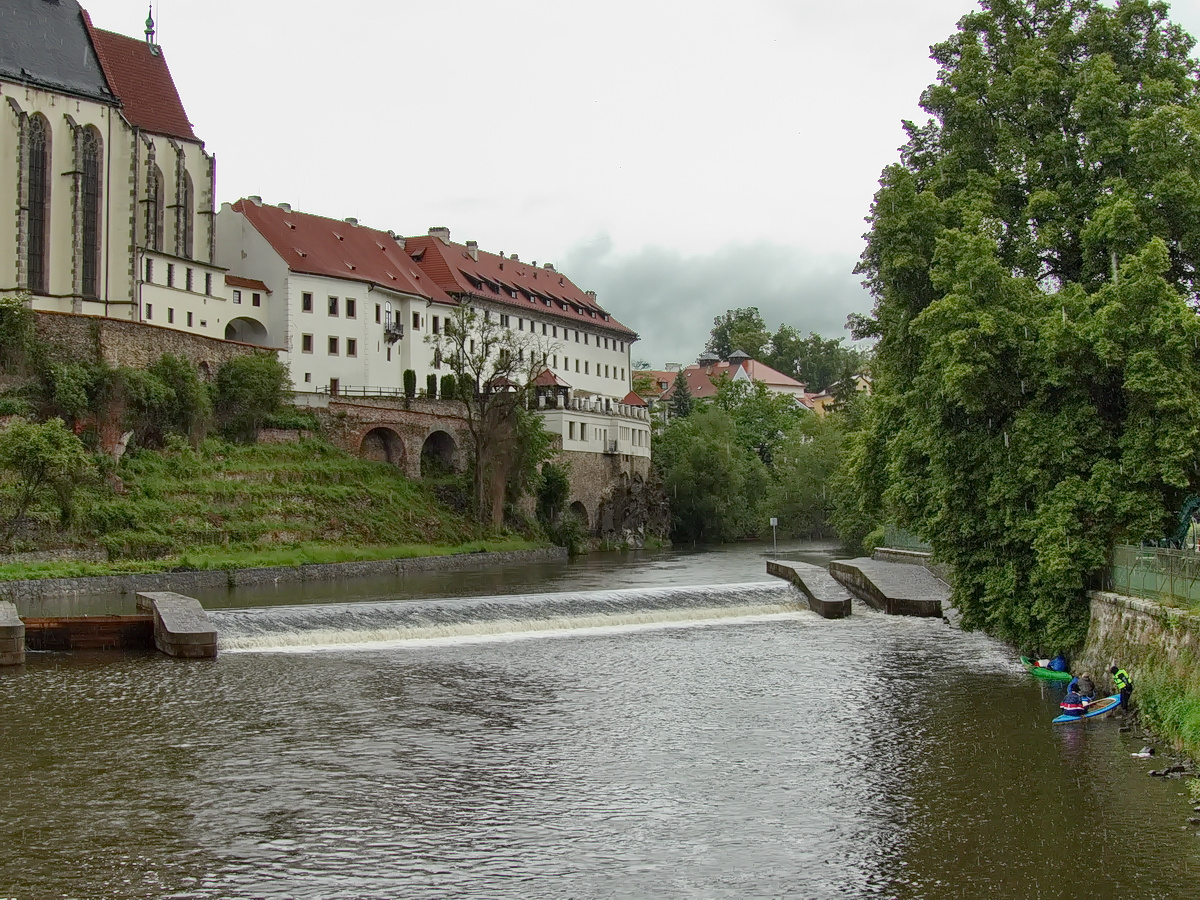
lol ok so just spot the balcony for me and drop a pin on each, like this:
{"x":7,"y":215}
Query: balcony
{"x":393,"y":331}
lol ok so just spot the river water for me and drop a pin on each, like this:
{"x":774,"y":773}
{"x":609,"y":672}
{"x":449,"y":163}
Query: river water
{"x":668,"y":725}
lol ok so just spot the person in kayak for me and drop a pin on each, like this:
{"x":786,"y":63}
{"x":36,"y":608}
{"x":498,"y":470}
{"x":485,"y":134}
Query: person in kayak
{"x":1058,"y":664}
{"x":1124,"y":685}
{"x":1073,"y":704}
{"x":1086,"y":688}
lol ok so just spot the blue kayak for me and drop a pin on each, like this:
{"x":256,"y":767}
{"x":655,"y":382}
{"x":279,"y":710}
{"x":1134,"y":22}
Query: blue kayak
{"x":1096,"y":708}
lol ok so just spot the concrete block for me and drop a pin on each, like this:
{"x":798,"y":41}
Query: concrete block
{"x":12,"y":636}
{"x":896,"y":588}
{"x":181,"y":626}
{"x":826,"y":597}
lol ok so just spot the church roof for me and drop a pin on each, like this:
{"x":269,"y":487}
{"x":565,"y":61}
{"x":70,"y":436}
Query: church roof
{"x":490,"y":276}
{"x":139,"y":75}
{"x":315,"y":245}
{"x":46,"y":44}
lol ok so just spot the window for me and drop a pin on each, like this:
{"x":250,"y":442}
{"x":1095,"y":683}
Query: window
{"x":256,"y":299}
{"x":39,"y":204}
{"x":351,"y":347}
{"x":189,"y":320}
{"x":208,"y":283}
{"x":170,"y":274}
{"x":170,"y":315}
{"x":520,"y":324}
{"x":155,"y":208}
{"x":583,"y":431}
{"x":378,"y":313}
{"x":237,"y":296}
{"x":567,"y":364}
{"x":308,"y":377}
{"x":333,"y":346}
{"x":605,"y":370}
{"x":189,"y":280}
{"x":149,"y":311}
{"x":436,"y":325}
{"x":306,"y":343}
{"x":585,"y":368}
{"x":544,"y":328}
{"x":187,"y":213}
{"x":333,"y":306}
{"x":150,"y":271}
{"x":577,"y":365}
{"x":472,"y":345}
{"x":555,"y":366}
{"x":555,"y":330}
{"x":90,"y":212}
{"x":306,"y":302}
{"x":577,"y":337}
{"x":571,"y":430}
{"x":416,"y":321}
{"x":335,"y":385}
{"x":585,"y":338}
{"x":622,"y":374}
{"x":351,"y":308}
{"x":389,"y":353}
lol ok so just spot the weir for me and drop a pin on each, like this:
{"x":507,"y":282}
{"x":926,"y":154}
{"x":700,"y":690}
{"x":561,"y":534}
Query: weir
{"x":898,"y":589}
{"x":390,"y":621}
{"x":826,"y":597}
{"x":181,"y":626}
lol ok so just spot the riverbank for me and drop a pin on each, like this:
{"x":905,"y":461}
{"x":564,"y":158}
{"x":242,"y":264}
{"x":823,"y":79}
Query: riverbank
{"x":31,"y":591}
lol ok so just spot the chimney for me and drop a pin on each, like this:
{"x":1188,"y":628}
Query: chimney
{"x":255,"y":199}
{"x":591,"y":295}
{"x":286,"y":207}
{"x":549,"y":267}
{"x":515,"y":257}
{"x":473,"y":249}
{"x":350,"y":220}
{"x":441,"y":233}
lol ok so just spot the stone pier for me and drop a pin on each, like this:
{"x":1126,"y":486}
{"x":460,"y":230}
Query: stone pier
{"x":12,"y":636}
{"x":181,"y":626}
{"x":825,"y":596}
{"x":898,"y":589}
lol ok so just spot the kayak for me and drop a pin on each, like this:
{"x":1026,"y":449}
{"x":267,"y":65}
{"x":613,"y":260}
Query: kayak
{"x":1097,"y":707}
{"x":1043,"y":672}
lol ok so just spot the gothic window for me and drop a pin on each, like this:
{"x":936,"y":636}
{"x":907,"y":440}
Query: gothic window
{"x":155,"y":207}
{"x":188,"y":212}
{"x":39,"y":204}
{"x":90,"y":212}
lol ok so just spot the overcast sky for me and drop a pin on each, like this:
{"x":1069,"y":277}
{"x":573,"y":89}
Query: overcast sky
{"x":679,"y":158}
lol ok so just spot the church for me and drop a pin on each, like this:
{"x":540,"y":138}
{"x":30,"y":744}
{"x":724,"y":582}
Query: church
{"x":110,"y":189}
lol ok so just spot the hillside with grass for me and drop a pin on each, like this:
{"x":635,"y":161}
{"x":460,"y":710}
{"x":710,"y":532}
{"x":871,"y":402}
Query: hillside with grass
{"x":224,"y":505}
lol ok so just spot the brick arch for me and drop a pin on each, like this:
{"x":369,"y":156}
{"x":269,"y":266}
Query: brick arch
{"x":439,"y":453}
{"x":383,"y":444}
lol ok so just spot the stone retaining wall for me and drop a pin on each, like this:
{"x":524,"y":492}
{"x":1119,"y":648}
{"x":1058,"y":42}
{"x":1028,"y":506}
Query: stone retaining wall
{"x":1132,"y":632}
{"x":22,"y":593}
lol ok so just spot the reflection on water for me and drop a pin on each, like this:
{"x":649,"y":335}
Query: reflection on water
{"x":764,"y":755}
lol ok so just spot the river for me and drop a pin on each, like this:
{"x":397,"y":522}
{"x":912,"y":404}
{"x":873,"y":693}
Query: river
{"x":666,"y":725}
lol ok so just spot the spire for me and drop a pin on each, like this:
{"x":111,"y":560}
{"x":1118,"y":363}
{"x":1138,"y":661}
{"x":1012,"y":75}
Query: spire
{"x":150,"y":30}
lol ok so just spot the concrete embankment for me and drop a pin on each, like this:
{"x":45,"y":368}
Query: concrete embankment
{"x":24,"y":593}
{"x":12,"y":636}
{"x":825,"y":596}
{"x":181,"y":626}
{"x":904,"y":589}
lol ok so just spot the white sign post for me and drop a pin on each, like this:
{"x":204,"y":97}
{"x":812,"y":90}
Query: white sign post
{"x":774,"y":537}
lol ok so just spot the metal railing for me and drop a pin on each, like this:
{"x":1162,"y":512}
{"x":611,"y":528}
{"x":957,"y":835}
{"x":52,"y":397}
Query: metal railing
{"x":899,"y":539}
{"x":1171,"y":577}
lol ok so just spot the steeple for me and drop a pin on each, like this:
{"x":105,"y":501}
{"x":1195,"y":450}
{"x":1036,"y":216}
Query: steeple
{"x":150,"y":31}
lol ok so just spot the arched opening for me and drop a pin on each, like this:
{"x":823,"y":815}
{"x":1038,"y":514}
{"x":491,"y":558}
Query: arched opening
{"x":383,"y":445}
{"x":248,"y":331}
{"x":89,"y":208}
{"x":579,"y":511}
{"x":155,"y":208}
{"x":187,"y":214}
{"x":439,"y":455}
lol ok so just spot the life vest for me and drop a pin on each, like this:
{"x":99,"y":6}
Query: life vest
{"x":1121,"y":680}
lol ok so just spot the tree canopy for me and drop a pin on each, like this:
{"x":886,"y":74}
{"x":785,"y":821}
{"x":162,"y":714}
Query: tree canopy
{"x":1032,"y":256}
{"x":738,"y":329}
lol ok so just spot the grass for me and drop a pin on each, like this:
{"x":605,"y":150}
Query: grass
{"x":225,"y":506}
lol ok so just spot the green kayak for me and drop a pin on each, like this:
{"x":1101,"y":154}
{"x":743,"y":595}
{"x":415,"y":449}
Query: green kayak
{"x":1043,"y":672}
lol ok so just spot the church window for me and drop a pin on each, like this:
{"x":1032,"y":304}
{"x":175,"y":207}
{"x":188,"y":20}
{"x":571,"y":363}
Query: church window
{"x":90,"y":209}
{"x":155,"y":201}
{"x":190,"y":278}
{"x":39,"y":204}
{"x":170,"y":274}
{"x":150,"y":271}
{"x":208,"y":283}
{"x":188,"y":212}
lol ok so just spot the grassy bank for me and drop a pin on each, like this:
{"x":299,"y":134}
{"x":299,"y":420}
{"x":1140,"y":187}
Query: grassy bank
{"x":1167,"y":697}
{"x":227,"y":506}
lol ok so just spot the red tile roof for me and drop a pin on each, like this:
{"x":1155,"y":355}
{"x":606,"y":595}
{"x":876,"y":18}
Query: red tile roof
{"x":759,"y":371}
{"x":699,"y":384}
{"x":489,"y":276}
{"x":141,"y":80}
{"x":315,"y":245}
{"x":546,"y":378}
{"x":632,"y":399}
{"x":252,"y":283}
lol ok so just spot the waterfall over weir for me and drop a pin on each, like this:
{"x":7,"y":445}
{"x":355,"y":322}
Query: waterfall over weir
{"x":339,"y":625}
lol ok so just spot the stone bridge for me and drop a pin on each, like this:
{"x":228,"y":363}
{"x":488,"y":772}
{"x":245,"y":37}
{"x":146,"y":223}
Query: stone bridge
{"x":420,"y":437}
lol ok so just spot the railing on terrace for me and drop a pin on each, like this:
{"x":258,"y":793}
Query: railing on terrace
{"x":899,"y":539}
{"x":1171,"y":577}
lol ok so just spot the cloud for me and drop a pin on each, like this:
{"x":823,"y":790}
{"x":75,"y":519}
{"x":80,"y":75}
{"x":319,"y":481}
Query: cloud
{"x":671,"y":299}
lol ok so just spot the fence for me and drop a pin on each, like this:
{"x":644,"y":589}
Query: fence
{"x":899,"y":539}
{"x":1171,"y":577}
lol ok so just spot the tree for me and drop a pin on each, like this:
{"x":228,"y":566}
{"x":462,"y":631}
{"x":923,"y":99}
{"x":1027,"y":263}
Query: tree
{"x":247,"y":391}
{"x":493,"y":367}
{"x":1031,"y":257}
{"x":761,"y":418}
{"x":738,"y":329}
{"x":43,"y":460}
{"x":818,"y":362}
{"x":681,"y":397}
{"x":804,"y":464}
{"x":714,"y":484}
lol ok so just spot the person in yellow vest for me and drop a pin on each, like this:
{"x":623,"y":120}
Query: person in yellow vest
{"x":1124,"y":685}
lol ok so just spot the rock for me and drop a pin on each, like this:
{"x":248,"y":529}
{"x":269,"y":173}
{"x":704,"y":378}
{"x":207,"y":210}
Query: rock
{"x":1194,"y":820}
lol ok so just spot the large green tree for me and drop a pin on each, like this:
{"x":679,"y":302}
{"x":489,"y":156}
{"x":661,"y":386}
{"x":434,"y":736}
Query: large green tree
{"x":818,"y":362}
{"x":739,"y":329}
{"x":1031,"y":258}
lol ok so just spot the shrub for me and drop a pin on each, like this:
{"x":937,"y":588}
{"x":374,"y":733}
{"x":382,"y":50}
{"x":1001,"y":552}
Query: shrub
{"x":410,"y":383}
{"x":246,"y":391}
{"x":431,"y":386}
{"x":448,"y":387}
{"x":44,"y":461}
